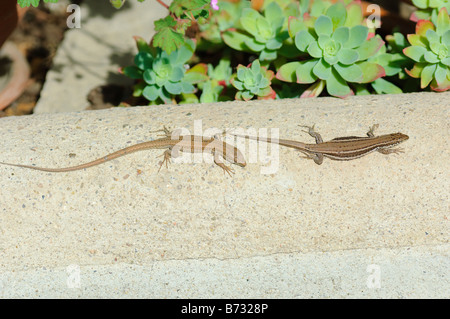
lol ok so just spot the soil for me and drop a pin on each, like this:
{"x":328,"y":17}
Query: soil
{"x":37,"y":36}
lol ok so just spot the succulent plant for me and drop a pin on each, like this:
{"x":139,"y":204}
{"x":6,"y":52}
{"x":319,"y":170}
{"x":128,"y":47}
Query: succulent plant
{"x":221,"y":20}
{"x":163,"y":75}
{"x":219,"y":81}
{"x":336,"y":53}
{"x":253,"y":80}
{"x":263,"y":34}
{"x":430,"y":49}
{"x":216,"y":85}
{"x":429,"y":9}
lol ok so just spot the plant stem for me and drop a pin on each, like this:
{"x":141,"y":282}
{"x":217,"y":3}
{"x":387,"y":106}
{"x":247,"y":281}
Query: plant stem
{"x":163,"y":4}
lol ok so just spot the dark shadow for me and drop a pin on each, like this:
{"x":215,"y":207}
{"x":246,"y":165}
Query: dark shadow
{"x":104,"y":8}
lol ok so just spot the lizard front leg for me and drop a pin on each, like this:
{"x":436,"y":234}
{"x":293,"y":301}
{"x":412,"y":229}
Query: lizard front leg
{"x":313,"y":133}
{"x":165,"y":130}
{"x":372,"y":130}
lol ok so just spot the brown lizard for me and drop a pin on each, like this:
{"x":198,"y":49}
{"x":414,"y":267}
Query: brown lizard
{"x":341,"y":148}
{"x":173,"y":144}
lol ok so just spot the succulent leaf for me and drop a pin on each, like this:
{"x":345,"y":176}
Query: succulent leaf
{"x":323,"y":25}
{"x":357,"y":35}
{"x":305,"y":72}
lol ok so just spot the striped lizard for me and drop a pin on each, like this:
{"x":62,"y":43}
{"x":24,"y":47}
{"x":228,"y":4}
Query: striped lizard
{"x":173,"y":144}
{"x":341,"y":148}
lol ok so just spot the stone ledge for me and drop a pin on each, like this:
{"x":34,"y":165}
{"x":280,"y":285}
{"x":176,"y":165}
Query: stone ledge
{"x":125,"y":212}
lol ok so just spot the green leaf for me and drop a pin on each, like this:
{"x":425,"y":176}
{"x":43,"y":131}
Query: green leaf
{"x":295,"y":25}
{"x":314,"y":50}
{"x":273,"y":13}
{"x":303,"y":39}
{"x":381,"y":86}
{"x":268,"y":55}
{"x":341,"y":35}
{"x":143,"y":60}
{"x":416,"y":70}
{"x":304,"y":71}
{"x":254,"y":45}
{"x":117,"y":3}
{"x":139,"y":88}
{"x":195,"y":77}
{"x":287,"y":72}
{"x":236,"y":39}
{"x":371,"y":71}
{"x":246,"y":95}
{"x":431,"y":57}
{"x":187,"y":87}
{"x":422,"y":26}
{"x":354,"y":14}
{"x":173,"y":88}
{"x":237,"y":84}
{"x":249,"y":20}
{"x":336,"y":86}
{"x":168,"y":40}
{"x":151,"y":92}
{"x":142,"y":45}
{"x":177,"y":73}
{"x":446,"y":61}
{"x":369,"y":48}
{"x":133,"y":72}
{"x":184,"y":53}
{"x":427,"y":75}
{"x":149,"y":76}
{"x":417,"y":40}
{"x":441,"y":73}
{"x":350,"y":73}
{"x":322,"y":70}
{"x":446,"y":38}
{"x":323,"y":25}
{"x":432,"y":36}
{"x":314,"y":90}
{"x":241,"y":71}
{"x":167,"y":22}
{"x":273,"y":44}
{"x":331,"y":59}
{"x":347,"y":56}
{"x":415,"y":52}
{"x":392,"y":63}
{"x":358,"y":34}
{"x":338,"y":14}
{"x":443,"y":22}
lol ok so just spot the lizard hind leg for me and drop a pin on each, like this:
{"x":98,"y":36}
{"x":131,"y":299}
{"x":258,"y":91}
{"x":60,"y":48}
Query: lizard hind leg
{"x":387,"y":151}
{"x":166,"y":159}
{"x":218,"y":161}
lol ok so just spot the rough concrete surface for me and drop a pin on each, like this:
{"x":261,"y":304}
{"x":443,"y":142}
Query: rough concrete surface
{"x":190,"y":231}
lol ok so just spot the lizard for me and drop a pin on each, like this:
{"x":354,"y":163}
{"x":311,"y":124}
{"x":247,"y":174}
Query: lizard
{"x":173,"y":144}
{"x":341,"y":148}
